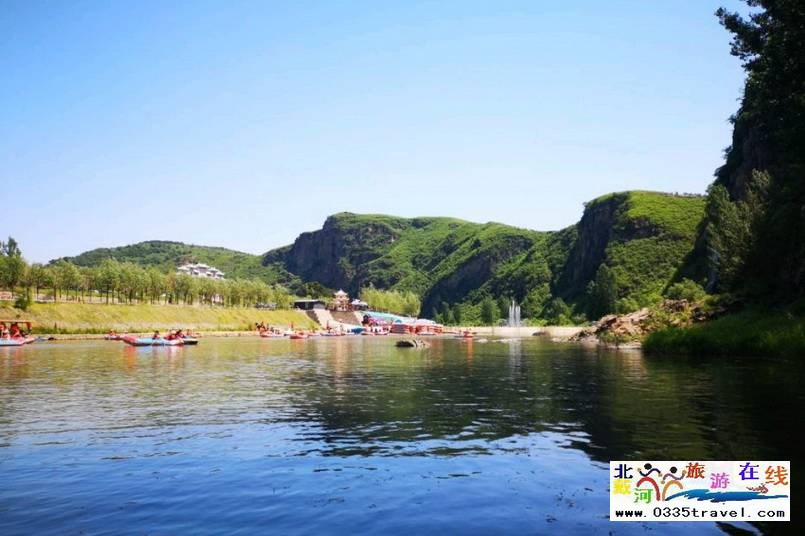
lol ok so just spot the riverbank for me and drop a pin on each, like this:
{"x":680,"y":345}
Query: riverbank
{"x":561,"y":332}
{"x":88,"y":319}
{"x":754,"y":332}
{"x":552,"y":332}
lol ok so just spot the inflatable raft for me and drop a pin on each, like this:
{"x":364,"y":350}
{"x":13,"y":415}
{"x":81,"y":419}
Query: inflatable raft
{"x":17,"y":341}
{"x":148,"y":341}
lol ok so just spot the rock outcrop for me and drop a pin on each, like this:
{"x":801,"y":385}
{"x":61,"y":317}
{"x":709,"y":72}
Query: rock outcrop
{"x":412,"y":343}
{"x":634,"y":326}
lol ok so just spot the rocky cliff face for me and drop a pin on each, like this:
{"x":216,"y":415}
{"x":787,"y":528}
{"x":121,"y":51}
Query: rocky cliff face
{"x":642,"y":236}
{"x":475,"y":271}
{"x":335,"y":255}
{"x":605,"y":221}
{"x":595,"y":230}
{"x":442,"y":259}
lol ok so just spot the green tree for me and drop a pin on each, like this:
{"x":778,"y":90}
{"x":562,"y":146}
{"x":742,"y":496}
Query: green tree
{"x":392,"y":301}
{"x":503,"y":303}
{"x":67,"y":278}
{"x":535,"y":301}
{"x":316,"y":290}
{"x":446,"y":314}
{"x":186,"y":288}
{"x":35,"y":278}
{"x":89,"y":281}
{"x":558,"y":313}
{"x":490,"y":314}
{"x":733,"y":228}
{"x":12,"y":266}
{"x":686,"y":290}
{"x":207,"y":290}
{"x":603,"y":292}
{"x":458,"y":313}
{"x":108,"y":277}
{"x":768,"y":136}
{"x":157,"y":284}
{"x":281,"y":297}
{"x":10,"y":248}
{"x":47,"y":278}
{"x":133,"y":281}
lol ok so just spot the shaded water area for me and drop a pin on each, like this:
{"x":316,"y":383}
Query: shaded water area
{"x":352,"y":435}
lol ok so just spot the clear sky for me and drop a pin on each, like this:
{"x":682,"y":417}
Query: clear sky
{"x":243,"y":123}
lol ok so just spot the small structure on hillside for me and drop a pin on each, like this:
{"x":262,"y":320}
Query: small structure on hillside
{"x":358,"y":305}
{"x":309,"y":305}
{"x":200,"y":270}
{"x":340,"y":301}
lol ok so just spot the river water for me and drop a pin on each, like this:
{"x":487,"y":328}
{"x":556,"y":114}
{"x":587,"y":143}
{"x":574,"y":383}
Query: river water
{"x":352,"y":435}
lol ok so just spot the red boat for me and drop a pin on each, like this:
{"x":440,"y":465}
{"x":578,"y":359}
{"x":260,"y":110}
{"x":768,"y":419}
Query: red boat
{"x":268,"y":335}
{"x":14,"y":336}
{"x":17,"y":341}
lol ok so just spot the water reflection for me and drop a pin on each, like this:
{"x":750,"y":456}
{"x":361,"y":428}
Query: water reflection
{"x":506,"y":417}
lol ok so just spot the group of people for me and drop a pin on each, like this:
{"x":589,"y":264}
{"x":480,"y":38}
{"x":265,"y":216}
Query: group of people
{"x":338,"y":330}
{"x":172,"y":335}
{"x":261,"y":328}
{"x":10,"y":332}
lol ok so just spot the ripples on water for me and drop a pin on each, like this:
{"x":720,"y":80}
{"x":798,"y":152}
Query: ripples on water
{"x":354,"y":435}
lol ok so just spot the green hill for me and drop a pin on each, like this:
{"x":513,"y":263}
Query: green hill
{"x":356,"y":250}
{"x":167,"y":255}
{"x":639,"y":238}
{"x":630,"y":246}
{"x":622,"y":254}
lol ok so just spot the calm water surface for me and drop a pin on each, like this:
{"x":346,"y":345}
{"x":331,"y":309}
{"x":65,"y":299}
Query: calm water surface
{"x":356,"y":436}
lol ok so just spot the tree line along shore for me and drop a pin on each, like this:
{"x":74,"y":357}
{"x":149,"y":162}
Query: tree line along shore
{"x":97,"y":318}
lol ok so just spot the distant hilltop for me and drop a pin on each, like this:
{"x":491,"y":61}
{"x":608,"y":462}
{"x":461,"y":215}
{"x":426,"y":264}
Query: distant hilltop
{"x":627,"y":248}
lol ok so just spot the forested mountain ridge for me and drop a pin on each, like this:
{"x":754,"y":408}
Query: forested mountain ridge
{"x":625,"y":250}
{"x":622,"y":254}
{"x":166,"y":256}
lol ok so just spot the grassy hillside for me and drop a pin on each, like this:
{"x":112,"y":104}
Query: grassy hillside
{"x":441,"y":259}
{"x":754,"y":332}
{"x":168,"y":255}
{"x":622,"y":254}
{"x":641,"y":238}
{"x":100,"y":318}
{"x":630,"y":246}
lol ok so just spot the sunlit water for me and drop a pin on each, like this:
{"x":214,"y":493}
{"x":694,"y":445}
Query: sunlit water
{"x":353,"y":435}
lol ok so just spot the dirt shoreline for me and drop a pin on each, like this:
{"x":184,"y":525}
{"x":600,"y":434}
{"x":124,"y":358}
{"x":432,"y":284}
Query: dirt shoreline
{"x":102,"y":336}
{"x":554,"y":332}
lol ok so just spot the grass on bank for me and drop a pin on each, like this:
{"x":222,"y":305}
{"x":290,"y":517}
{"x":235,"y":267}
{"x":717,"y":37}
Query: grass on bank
{"x":100,"y":318}
{"x":754,"y":332}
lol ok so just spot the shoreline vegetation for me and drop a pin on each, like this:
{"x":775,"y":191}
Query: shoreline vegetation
{"x":630,"y":260}
{"x":86,"y":319}
{"x":74,"y":320}
{"x":689,"y":325}
{"x":757,"y":331}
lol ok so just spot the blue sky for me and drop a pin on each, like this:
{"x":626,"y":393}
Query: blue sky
{"x":242,"y":124}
